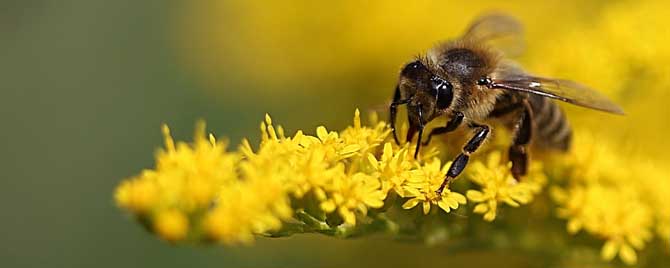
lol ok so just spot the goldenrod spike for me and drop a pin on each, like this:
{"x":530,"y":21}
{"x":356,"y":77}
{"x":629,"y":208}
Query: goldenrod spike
{"x":280,"y":132}
{"x":245,"y":146}
{"x":271,"y":132}
{"x":165,"y":129}
{"x":357,"y":119}
{"x":169,"y":142}
{"x":264,"y":133}
{"x":212,"y":139}
{"x":268,"y":119}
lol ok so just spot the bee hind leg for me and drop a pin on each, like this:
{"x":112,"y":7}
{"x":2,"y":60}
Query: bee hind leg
{"x":518,"y":151}
{"x":459,"y":163}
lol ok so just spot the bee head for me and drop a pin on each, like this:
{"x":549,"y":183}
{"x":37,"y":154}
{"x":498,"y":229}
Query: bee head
{"x":424,"y":88}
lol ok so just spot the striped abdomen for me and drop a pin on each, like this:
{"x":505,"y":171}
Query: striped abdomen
{"x":552,"y":129}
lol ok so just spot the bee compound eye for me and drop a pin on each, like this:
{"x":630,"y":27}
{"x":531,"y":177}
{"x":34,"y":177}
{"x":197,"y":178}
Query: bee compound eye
{"x":444,"y":92}
{"x":439,"y":84}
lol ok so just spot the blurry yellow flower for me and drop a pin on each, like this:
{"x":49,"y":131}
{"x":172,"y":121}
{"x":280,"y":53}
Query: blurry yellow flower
{"x":138,"y":196}
{"x":189,"y":176}
{"x":171,"y":225}
{"x":422,"y":185}
{"x":656,"y":188}
{"x":244,"y":209}
{"x":498,"y":185}
{"x":192,"y":179}
{"x":186,"y":177}
{"x":588,"y":162}
{"x":614,"y":214}
{"x":602,"y":199}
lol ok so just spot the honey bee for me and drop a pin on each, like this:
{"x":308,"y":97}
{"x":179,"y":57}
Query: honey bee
{"x":468,"y":81}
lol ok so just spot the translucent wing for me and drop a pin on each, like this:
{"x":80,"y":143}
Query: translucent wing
{"x":564,"y":90}
{"x":498,"y":30}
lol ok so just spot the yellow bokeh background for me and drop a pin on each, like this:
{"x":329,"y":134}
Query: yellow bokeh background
{"x":311,"y":44}
{"x":351,"y":51}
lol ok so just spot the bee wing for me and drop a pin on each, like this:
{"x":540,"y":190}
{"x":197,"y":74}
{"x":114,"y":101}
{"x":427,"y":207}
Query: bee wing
{"x":498,"y":30}
{"x":564,"y":90}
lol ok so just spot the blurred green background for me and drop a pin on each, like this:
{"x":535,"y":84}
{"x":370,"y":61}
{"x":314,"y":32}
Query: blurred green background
{"x":86,"y":84}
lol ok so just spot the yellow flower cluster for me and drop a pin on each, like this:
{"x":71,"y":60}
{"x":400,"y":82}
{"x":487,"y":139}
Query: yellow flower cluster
{"x":337,"y":180}
{"x":422,"y":185}
{"x":619,"y":196}
{"x":200,"y":186}
{"x":327,"y":166}
{"x":200,"y":191}
{"x":606,"y":196}
{"x":498,"y":185}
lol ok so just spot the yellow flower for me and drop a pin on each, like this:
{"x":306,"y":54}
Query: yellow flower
{"x":201,"y":192}
{"x":498,"y":186}
{"x":366,"y":138}
{"x":186,"y":177}
{"x":422,"y":185}
{"x":393,"y":168}
{"x":350,"y":194}
{"x":192,"y":179}
{"x":656,"y":188}
{"x":171,"y":225}
{"x":189,"y":176}
{"x":330,"y":141}
{"x":601,"y":198}
{"x":138,"y":196}
{"x":250,"y":207}
{"x":615,"y":214}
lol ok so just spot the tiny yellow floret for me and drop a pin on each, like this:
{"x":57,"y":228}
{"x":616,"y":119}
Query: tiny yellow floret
{"x":171,"y":225}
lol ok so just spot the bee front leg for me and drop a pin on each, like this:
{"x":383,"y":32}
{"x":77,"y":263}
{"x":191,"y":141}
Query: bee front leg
{"x":452,"y":125}
{"x":459,"y":163}
{"x":394,"y":110}
{"x":518,"y":153}
{"x":414,"y":126}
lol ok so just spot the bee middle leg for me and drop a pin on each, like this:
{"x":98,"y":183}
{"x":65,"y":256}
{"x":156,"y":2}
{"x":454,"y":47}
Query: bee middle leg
{"x":518,"y":151}
{"x":459,"y":163}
